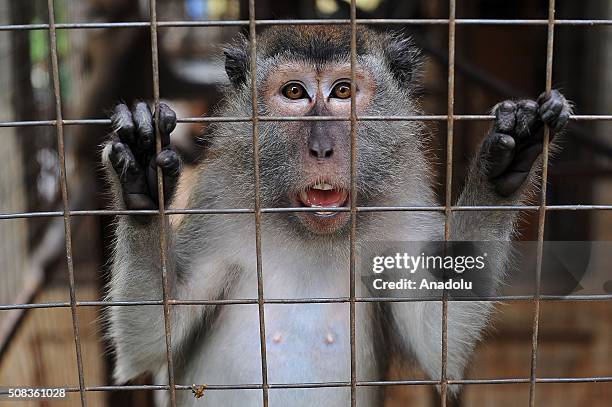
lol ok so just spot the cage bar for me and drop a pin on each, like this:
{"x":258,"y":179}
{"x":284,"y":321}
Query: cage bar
{"x":542,"y":210}
{"x":212,"y":119}
{"x":452,"y":6}
{"x":353,"y":202}
{"x":225,"y":211}
{"x":257,"y":203}
{"x":309,"y":300}
{"x":364,"y":21}
{"x":55,"y":73}
{"x":318,"y":385}
{"x":252,"y":23}
{"x":163,"y":227}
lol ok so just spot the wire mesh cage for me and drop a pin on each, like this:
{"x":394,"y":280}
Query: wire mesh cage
{"x":157,"y":44}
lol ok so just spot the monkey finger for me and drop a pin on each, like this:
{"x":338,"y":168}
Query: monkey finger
{"x":169,"y":162}
{"x":548,"y":96}
{"x":498,"y":152}
{"x":552,"y":104}
{"x":562,"y":120}
{"x":550,"y":110}
{"x":123,"y":124}
{"x":170,"y":183}
{"x":527,"y":121}
{"x":131,"y":177}
{"x":505,"y":117}
{"x":166,"y":123}
{"x":544,"y":97}
{"x":143,"y":119}
{"x":122,"y":159}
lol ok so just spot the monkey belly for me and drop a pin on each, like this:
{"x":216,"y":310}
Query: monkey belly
{"x":305,"y":343}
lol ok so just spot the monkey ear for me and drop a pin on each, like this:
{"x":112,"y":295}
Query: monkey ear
{"x":237,"y":61}
{"x":404,"y":59}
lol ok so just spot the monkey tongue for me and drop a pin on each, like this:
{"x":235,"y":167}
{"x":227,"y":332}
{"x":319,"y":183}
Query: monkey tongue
{"x":323,"y":198}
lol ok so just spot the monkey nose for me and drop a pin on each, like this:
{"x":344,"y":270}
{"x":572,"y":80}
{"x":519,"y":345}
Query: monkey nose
{"x":320,"y":149}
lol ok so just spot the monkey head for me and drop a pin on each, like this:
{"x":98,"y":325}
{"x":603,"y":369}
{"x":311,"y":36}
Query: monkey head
{"x":305,"y":71}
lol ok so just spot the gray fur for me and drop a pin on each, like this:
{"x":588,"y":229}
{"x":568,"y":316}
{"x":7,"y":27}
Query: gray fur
{"x":213,"y":257}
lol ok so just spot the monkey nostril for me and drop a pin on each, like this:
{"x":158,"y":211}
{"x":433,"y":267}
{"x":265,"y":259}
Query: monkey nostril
{"x":320,"y":147}
{"x":321,"y":152}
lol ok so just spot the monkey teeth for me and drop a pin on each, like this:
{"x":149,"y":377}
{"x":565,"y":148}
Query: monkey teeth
{"x":323,"y":195}
{"x":323,"y":187}
{"x":304,"y":197}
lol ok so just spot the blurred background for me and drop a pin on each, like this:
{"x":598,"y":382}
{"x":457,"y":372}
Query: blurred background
{"x":99,"y":67}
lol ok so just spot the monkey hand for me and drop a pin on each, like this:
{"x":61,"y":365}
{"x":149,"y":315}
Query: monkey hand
{"x":515,"y":141}
{"x":132,"y":155}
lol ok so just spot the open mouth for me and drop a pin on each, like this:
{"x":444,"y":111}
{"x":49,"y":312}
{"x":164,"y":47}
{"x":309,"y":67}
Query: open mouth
{"x":323,"y":195}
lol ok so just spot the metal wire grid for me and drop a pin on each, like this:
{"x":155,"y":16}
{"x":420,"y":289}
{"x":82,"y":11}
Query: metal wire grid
{"x":542,"y":211}
{"x":448,"y":208}
{"x":448,"y":184}
{"x":64,"y":188}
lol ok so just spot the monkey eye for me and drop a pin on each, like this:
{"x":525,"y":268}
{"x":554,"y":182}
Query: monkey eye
{"x":294,"y":91}
{"x":341,"y":90}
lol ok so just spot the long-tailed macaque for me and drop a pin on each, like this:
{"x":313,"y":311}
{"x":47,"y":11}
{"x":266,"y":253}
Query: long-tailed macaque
{"x":304,"y":71}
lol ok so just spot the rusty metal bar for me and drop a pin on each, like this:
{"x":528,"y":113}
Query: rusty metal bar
{"x":353,"y":204}
{"x":64,"y":191}
{"x":542,"y":211}
{"x":448,"y":208}
{"x":225,"y":211}
{"x":257,"y":201}
{"x":246,"y":386}
{"x":309,"y":300}
{"x":163,"y":229}
{"x":436,"y":118}
{"x":364,"y":21}
{"x":452,"y":6}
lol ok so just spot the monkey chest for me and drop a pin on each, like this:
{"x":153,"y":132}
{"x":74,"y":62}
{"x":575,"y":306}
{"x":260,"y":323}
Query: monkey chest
{"x":304,"y":343}
{"x":308,"y":342}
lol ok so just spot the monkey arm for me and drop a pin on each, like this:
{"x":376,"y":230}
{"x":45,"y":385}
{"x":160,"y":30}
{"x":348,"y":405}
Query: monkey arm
{"x":507,"y":167}
{"x":505,"y":172}
{"x":137,"y":332}
{"x":131,"y":163}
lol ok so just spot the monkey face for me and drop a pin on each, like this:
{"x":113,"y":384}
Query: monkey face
{"x":318,"y":152}
{"x":306,"y":72}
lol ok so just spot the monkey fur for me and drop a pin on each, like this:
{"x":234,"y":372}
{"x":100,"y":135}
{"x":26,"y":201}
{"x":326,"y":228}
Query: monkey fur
{"x":303,"y":71}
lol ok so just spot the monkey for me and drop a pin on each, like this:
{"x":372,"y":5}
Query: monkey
{"x":304,"y":71}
